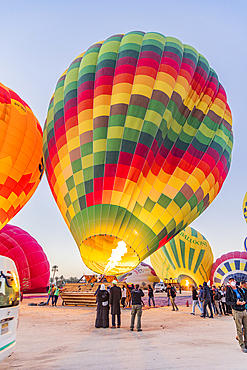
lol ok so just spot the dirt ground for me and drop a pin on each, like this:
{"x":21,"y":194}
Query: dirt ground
{"x":65,"y":338}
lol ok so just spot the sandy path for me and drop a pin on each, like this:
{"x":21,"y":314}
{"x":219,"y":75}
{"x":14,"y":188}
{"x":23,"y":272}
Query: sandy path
{"x":65,"y":338}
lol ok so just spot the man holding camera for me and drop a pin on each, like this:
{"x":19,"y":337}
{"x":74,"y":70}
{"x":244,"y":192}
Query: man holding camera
{"x":136,"y":295}
{"x":236,"y":298}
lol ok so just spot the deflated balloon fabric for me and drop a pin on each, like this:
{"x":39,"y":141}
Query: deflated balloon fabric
{"x":137,"y":144}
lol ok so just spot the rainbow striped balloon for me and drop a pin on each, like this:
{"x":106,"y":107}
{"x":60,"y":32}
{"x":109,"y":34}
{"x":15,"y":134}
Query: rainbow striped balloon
{"x":232,"y":264}
{"x":137,"y":144}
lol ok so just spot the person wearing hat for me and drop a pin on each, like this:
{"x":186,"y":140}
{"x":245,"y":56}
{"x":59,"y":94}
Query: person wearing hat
{"x":115,"y":297}
{"x":236,"y":298}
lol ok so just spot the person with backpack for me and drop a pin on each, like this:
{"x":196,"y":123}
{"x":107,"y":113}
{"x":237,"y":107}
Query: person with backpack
{"x":173,"y":296}
{"x":195,"y":301}
{"x":217,"y":298}
{"x":206,"y":300}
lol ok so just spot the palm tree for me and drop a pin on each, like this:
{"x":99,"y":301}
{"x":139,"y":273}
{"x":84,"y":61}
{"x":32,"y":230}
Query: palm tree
{"x":54,"y":269}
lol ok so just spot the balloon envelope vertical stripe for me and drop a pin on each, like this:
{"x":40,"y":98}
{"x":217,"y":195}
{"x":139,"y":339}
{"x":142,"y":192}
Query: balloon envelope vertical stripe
{"x":137,"y":144}
{"x":187,"y":254}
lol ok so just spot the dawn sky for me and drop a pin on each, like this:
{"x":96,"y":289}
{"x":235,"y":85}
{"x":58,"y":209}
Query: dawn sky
{"x":40,"y":39}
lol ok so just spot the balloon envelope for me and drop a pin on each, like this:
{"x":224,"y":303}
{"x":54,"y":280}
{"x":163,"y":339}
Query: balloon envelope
{"x":232,"y":264}
{"x":245,"y":207}
{"x":31,"y":262}
{"x":21,"y":163}
{"x":137,"y":144}
{"x":143,"y":275}
{"x":188,"y":256}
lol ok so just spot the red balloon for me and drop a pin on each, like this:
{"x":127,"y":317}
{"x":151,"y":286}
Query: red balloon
{"x":30,"y":259}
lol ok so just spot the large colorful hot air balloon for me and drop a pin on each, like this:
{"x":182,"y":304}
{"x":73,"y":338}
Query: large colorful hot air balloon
{"x":232,"y":264}
{"x":137,"y":144}
{"x":187,"y":257}
{"x":31,"y":262}
{"x":21,"y":163}
{"x":143,"y":275}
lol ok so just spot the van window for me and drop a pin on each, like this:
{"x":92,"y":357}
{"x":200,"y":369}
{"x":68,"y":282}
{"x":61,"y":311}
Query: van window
{"x":9,"y":289}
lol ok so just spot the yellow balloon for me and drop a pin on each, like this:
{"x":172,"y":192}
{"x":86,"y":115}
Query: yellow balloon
{"x":188,"y":256}
{"x":245,"y":207}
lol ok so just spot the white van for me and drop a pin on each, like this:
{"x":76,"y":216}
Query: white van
{"x":9,"y":306}
{"x":159,"y":287}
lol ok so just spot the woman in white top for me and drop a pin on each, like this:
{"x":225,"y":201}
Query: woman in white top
{"x":124,"y":292}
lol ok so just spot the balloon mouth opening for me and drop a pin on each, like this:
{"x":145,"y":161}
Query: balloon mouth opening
{"x":109,"y":255}
{"x":186,"y":282}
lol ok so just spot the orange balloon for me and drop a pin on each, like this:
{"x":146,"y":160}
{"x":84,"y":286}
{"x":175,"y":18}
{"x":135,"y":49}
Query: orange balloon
{"x":21,"y":159}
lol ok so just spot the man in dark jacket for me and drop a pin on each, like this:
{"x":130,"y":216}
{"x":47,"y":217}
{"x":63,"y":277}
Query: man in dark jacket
{"x":236,"y":298}
{"x":115,"y":297}
{"x":206,"y":300}
{"x":136,"y":295}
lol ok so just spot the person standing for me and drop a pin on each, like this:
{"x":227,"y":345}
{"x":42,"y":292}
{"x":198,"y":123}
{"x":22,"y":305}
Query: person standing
{"x":124,"y":293}
{"x":223,"y":301}
{"x":128,"y":295}
{"x":150,"y":296}
{"x":236,"y":298}
{"x":173,"y":296}
{"x":56,"y":295}
{"x":136,"y":296}
{"x":115,"y":297}
{"x":195,"y":301}
{"x":168,"y":293}
{"x":217,"y":298}
{"x":50,"y":295}
{"x":102,"y":318}
{"x":206,"y":300}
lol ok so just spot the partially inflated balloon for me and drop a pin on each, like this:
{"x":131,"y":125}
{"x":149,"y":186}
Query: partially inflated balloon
{"x":29,"y":257}
{"x":143,"y":275}
{"x":232,"y":264}
{"x":137,"y":144}
{"x":21,"y":163}
{"x":188,"y":256}
{"x":245,"y":207}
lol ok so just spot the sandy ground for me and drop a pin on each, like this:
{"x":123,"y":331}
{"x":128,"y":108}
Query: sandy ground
{"x":65,"y":338}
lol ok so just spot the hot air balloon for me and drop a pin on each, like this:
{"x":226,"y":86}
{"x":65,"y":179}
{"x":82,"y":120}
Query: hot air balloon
{"x":245,"y":207}
{"x":188,"y":257}
{"x":31,"y":262}
{"x":137,"y":144}
{"x":21,"y":163}
{"x":232,"y":264}
{"x":143,"y":275}
{"x":245,"y":244}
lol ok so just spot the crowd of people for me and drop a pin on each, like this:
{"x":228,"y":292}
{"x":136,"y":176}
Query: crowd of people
{"x":210,"y":301}
{"x":224,"y":300}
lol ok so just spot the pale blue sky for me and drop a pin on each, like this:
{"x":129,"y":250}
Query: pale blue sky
{"x":39,"y":39}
